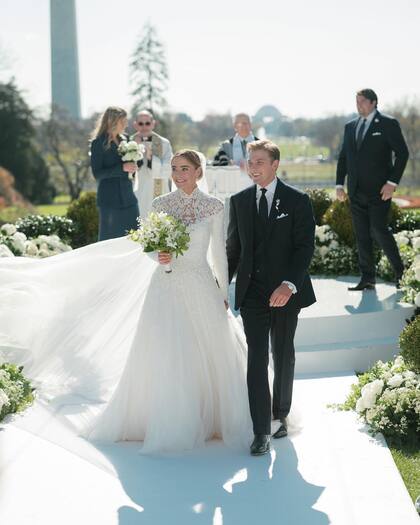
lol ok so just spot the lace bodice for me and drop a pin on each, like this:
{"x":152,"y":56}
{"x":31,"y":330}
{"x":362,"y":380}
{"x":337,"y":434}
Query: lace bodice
{"x":188,"y":208}
{"x":204,"y":216}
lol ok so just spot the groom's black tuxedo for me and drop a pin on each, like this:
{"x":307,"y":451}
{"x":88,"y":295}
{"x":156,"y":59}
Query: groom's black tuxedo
{"x":288,"y":246}
{"x":263,"y":255}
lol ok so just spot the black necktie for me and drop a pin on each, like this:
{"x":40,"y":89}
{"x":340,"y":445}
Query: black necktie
{"x":263,"y":206}
{"x":359,"y":138}
{"x":243,"y":144}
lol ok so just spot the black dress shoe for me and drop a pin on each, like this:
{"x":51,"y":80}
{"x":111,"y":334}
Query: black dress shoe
{"x":362,"y":286}
{"x":260,"y":445}
{"x":282,"y":430}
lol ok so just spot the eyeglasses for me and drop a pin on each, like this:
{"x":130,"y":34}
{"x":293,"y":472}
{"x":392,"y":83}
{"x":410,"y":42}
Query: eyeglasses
{"x":144,"y":123}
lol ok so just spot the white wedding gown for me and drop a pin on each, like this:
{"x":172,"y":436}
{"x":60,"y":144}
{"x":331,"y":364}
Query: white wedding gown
{"x":137,"y":353}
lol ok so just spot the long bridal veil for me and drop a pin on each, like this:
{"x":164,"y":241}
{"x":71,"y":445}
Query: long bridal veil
{"x":70,"y":320}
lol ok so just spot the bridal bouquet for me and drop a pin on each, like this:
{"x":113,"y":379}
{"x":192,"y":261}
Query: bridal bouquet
{"x":130,"y":151}
{"x":161,"y":232}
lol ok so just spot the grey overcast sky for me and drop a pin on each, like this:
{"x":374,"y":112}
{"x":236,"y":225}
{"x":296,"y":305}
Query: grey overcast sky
{"x":307,"y":57}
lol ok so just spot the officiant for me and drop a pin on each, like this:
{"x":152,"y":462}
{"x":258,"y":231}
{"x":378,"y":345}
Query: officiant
{"x":154,"y":172}
{"x":233,"y":151}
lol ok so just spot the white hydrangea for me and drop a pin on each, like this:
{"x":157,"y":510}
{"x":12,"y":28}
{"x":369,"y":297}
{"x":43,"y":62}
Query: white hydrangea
{"x":396,"y":381}
{"x":8,"y":229}
{"x":371,"y":391}
{"x":31,"y":249}
{"x":416,"y":243}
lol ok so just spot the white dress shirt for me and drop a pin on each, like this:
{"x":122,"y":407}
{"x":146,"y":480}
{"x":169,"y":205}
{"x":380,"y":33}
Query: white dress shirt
{"x":368,"y":119}
{"x":269,"y":195}
{"x":237,"y":152}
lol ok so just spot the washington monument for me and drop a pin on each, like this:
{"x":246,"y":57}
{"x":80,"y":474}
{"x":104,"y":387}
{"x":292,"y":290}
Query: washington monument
{"x":64,"y":57}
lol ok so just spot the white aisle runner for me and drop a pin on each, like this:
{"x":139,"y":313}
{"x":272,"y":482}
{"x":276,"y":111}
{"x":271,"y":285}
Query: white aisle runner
{"x":331,"y":472}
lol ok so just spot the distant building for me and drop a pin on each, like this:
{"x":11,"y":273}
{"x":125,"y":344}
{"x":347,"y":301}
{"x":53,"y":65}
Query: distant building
{"x":65,"y":87}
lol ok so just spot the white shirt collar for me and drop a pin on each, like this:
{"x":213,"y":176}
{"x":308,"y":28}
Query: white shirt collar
{"x":369,"y":118}
{"x":249,"y":138}
{"x":271,"y":188}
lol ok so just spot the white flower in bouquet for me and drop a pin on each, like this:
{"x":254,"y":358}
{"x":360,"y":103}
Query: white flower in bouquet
{"x":130,"y":151}
{"x":160,"y":232}
{"x":395,"y":381}
{"x":5,"y":251}
{"x":323,"y":250}
{"x":8,"y":229}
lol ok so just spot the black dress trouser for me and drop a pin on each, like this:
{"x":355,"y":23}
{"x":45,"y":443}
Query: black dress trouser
{"x":370,"y":215}
{"x":262,"y":324}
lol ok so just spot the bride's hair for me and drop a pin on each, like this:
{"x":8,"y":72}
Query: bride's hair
{"x":191,"y":156}
{"x":107,"y":123}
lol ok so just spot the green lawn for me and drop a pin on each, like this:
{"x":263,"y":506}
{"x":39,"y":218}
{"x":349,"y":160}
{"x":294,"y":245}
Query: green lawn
{"x":408,"y":463}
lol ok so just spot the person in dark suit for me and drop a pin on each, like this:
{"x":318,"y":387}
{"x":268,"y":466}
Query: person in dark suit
{"x":232,"y":151}
{"x":373,"y":157}
{"x":117,"y":203}
{"x":270,"y":243}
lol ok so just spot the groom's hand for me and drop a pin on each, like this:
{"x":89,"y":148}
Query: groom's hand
{"x":280,"y":296}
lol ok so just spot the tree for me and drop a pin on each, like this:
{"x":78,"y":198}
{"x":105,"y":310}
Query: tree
{"x":407,"y":112}
{"x":149,"y":72}
{"x":18,"y":151}
{"x":65,"y":142}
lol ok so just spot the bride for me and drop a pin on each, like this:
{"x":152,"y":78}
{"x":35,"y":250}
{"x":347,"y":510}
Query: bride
{"x":138,"y":354}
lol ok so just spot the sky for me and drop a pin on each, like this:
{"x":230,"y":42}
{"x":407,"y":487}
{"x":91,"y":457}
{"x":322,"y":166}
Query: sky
{"x":306,"y":57}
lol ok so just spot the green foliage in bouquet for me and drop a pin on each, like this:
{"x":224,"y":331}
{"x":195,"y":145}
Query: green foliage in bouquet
{"x":410,"y":344}
{"x":84,"y":214}
{"x":321,"y":201}
{"x":161,"y":232}
{"x":16,"y":392}
{"x":35,"y":225}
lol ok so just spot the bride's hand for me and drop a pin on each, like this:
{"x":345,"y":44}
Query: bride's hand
{"x":164,"y":258}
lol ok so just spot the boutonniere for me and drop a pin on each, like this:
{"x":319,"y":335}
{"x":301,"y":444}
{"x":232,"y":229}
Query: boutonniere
{"x":277,"y":204}
{"x":376,"y":120}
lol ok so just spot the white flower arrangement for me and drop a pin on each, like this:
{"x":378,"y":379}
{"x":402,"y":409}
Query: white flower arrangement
{"x":130,"y":151}
{"x":387,"y":397}
{"x":15,"y":243}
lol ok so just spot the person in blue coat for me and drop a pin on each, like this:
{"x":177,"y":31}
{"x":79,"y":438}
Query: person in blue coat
{"x":117,"y":203}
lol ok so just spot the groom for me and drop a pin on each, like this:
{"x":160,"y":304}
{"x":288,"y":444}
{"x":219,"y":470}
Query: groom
{"x":269,"y":246}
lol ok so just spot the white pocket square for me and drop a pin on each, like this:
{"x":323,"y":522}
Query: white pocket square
{"x":376,"y":133}
{"x":282,"y":216}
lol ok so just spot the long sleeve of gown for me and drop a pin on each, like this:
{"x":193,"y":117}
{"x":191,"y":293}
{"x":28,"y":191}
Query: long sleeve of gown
{"x":218,"y":258}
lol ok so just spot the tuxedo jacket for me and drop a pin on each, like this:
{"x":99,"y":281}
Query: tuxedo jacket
{"x":370,"y":167}
{"x":115,"y":189}
{"x":225,"y":153}
{"x":289,"y":244}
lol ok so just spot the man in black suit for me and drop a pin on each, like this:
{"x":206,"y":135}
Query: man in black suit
{"x":373,"y":156}
{"x":269,"y":246}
